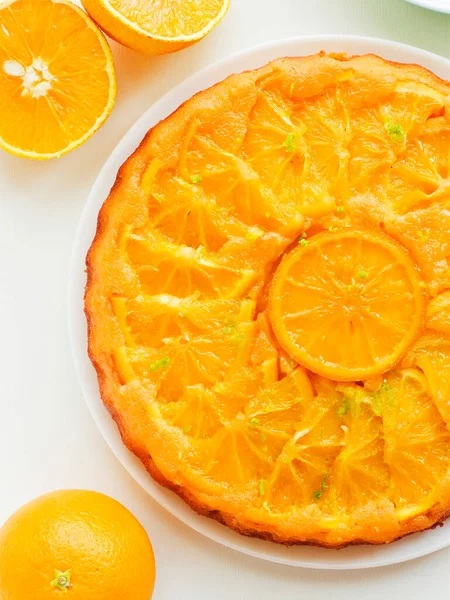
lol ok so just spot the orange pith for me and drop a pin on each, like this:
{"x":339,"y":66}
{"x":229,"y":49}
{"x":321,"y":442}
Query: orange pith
{"x":268,"y":301}
{"x":78,"y":544}
{"x":347,"y":305}
{"x":57,"y":80}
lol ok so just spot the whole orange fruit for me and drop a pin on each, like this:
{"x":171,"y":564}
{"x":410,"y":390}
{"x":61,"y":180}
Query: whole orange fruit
{"x":79,"y":542}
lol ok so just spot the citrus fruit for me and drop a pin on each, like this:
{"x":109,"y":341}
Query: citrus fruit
{"x":57,"y":80}
{"x":81,"y":543}
{"x":157,"y":27}
{"x":347,"y":305}
{"x":268,"y":301}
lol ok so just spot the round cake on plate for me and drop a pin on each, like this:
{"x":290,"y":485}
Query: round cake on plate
{"x":268,"y":301}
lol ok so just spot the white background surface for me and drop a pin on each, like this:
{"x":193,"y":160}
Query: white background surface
{"x":47,"y":437}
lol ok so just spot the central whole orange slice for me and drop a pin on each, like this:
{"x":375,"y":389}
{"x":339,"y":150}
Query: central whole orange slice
{"x":347,"y":305}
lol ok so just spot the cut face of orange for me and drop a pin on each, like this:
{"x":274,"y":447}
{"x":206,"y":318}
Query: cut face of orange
{"x":269,"y":301}
{"x":347,"y":305}
{"x":157,"y":27}
{"x":57,"y":81}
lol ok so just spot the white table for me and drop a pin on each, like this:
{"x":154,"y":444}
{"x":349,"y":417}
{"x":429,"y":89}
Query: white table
{"x":47,"y":437}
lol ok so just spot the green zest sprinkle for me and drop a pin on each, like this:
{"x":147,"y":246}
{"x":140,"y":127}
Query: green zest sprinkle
{"x":229,"y":327}
{"x":289,"y":142}
{"x":160,"y":364}
{"x":262,"y":487}
{"x":254,"y":422}
{"x":264,"y":437}
{"x":362,"y":274}
{"x":253,"y":235}
{"x":340,"y":209}
{"x":385,"y":395}
{"x":237,"y":336}
{"x":187,"y":429}
{"x":196,"y":178}
{"x":395,"y":132}
{"x":350,"y":287}
{"x":423,"y":236}
{"x":376,"y":405}
{"x":303,"y":242}
{"x":323,"y":486}
{"x":344,"y":408}
{"x":62,"y":580}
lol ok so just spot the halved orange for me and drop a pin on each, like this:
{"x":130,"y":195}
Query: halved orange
{"x":57,"y":80}
{"x":347,"y":305}
{"x":157,"y":27}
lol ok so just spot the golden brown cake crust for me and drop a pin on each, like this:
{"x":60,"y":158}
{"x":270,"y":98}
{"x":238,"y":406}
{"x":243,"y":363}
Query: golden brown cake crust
{"x":127,"y":401}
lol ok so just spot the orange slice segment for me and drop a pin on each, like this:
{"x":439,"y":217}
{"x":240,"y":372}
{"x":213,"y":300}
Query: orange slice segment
{"x":347,"y":305}
{"x":431,"y":354}
{"x":257,"y":421}
{"x":165,"y":267}
{"x":416,"y":441}
{"x":276,"y":149}
{"x":179,"y":342}
{"x":186,"y":215}
{"x":57,"y":81}
{"x":157,"y":27}
{"x":301,"y":472}
{"x":438,"y":313}
{"x":152,"y":320}
{"x":359,"y":473}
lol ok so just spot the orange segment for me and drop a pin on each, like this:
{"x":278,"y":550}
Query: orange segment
{"x":258,"y":420}
{"x":416,"y":441}
{"x":359,"y":473}
{"x":174,"y":343}
{"x":438,"y":313}
{"x":278,"y":152}
{"x":301,"y":472}
{"x":157,"y":27}
{"x":57,"y":81}
{"x":164,"y":267}
{"x":346,"y":305}
{"x":431,"y":354}
{"x":185,"y":214}
{"x":235,"y":183}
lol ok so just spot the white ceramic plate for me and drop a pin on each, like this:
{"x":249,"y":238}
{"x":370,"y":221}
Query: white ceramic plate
{"x":303,"y":556}
{"x":442,"y":6}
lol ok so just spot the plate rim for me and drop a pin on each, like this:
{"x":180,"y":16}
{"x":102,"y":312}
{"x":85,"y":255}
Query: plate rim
{"x":308,"y":556}
{"x":430,"y":5}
